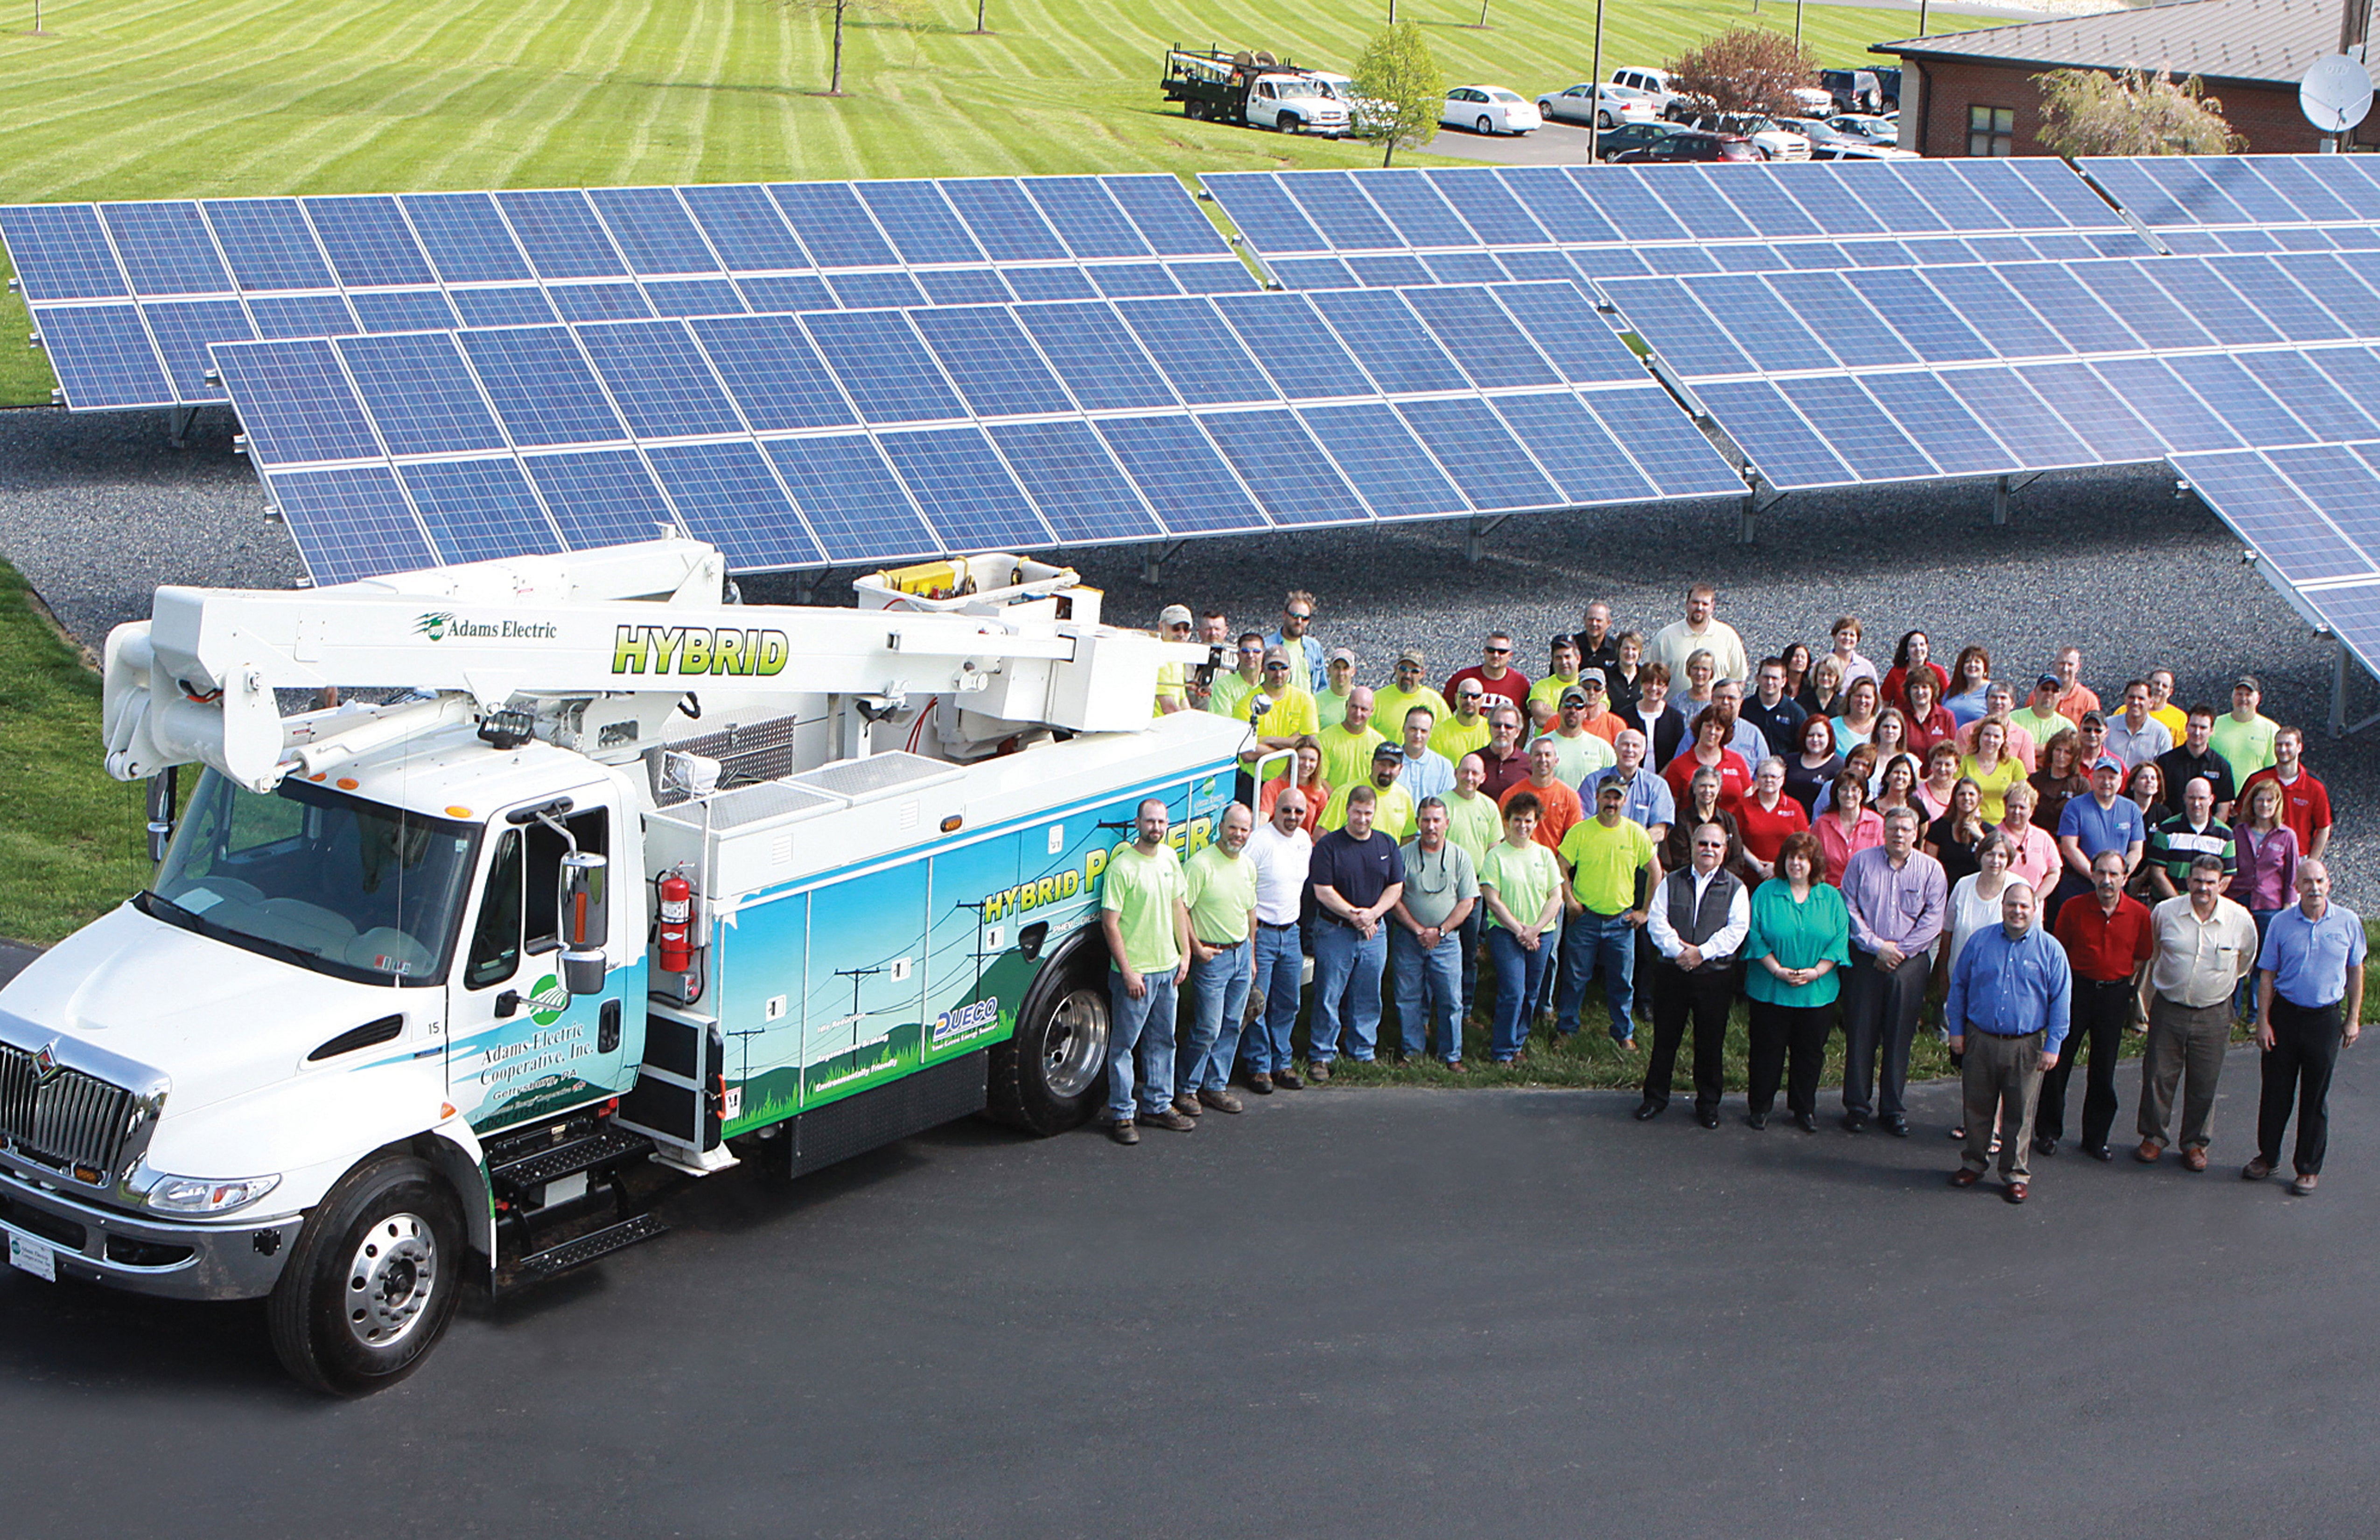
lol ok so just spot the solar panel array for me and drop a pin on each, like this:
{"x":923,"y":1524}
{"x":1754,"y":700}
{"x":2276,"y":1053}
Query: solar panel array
{"x":1833,"y":379}
{"x":848,"y":437}
{"x":1330,"y":229}
{"x":126,"y":297}
{"x":2313,"y":516}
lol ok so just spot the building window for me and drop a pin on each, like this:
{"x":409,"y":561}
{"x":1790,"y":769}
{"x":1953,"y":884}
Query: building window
{"x":1991,"y":131}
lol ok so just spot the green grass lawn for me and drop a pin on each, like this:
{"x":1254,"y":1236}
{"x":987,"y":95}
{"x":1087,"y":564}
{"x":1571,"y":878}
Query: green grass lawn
{"x":126,"y":98}
{"x":131,"y":99}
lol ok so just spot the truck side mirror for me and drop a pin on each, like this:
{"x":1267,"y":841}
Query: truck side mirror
{"x":586,"y":912}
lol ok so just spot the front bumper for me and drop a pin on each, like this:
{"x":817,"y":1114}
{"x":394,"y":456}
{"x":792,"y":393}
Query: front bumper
{"x":230,"y":1261}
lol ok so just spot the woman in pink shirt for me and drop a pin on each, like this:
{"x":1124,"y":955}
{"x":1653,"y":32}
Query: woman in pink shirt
{"x":2033,"y":850}
{"x":1849,"y":825}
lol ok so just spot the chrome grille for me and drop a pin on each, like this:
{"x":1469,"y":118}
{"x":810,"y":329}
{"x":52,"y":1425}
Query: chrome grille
{"x":65,"y":1119}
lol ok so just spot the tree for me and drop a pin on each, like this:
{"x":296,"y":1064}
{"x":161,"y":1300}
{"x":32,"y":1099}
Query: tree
{"x":904,"y":14}
{"x":1399,"y":88}
{"x":2134,"y":112}
{"x":1746,"y":69}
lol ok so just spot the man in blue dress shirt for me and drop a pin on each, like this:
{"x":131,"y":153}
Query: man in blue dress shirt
{"x":2010,"y":991}
{"x":2309,"y":1005}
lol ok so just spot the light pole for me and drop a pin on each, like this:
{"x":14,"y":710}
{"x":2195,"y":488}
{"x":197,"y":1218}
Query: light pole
{"x":1595,"y":78}
{"x":1797,"y":23}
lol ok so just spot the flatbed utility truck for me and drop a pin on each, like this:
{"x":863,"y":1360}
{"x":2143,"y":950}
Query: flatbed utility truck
{"x":613,"y":872}
{"x":1254,"y":89}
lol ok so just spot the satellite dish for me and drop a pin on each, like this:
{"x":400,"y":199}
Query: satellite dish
{"x":2335,"y":94}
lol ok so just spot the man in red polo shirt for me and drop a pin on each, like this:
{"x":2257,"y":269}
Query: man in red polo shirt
{"x":2108,"y":938}
{"x":2305,"y":803}
{"x":1494,"y":672}
{"x":1507,"y":761}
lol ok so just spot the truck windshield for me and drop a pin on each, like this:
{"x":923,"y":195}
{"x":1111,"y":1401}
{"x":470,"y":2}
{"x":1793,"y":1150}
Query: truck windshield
{"x":1299,"y":89}
{"x":327,"y":881}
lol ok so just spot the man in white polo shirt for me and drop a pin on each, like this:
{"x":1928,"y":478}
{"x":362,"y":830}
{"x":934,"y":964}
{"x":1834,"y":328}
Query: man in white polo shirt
{"x":1281,"y":850}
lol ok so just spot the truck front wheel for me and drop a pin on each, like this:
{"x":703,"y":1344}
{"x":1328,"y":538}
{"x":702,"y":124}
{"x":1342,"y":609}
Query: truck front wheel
{"x":372,"y":1282}
{"x":1051,"y":1075}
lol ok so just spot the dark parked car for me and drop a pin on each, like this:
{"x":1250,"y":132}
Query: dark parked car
{"x":1692,"y":144}
{"x":1612,"y":144}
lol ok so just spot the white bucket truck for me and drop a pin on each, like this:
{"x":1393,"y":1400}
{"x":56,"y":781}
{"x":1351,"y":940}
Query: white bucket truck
{"x":621,"y":873}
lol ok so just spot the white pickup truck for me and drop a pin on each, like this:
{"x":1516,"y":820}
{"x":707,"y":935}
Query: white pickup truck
{"x":1256,"y":90}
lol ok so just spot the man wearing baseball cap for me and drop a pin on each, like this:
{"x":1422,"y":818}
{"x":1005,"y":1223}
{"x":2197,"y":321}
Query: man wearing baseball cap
{"x":2092,"y":826}
{"x":2039,"y":715}
{"x":1578,"y":753}
{"x":1173,"y":623}
{"x":1407,"y":688}
{"x":1598,"y":717}
{"x":2243,"y":737}
{"x":1393,"y":805}
{"x":1338,"y":682}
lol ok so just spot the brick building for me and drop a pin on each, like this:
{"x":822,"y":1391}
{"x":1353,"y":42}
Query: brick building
{"x":1972,"y":94}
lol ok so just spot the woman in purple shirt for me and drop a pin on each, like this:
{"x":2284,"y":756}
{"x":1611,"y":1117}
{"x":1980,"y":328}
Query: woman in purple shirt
{"x":2267,"y":881}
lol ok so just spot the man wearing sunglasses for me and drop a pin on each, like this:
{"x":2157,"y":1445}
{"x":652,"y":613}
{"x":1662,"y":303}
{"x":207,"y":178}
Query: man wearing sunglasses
{"x":1297,"y":642}
{"x":1495,"y":673}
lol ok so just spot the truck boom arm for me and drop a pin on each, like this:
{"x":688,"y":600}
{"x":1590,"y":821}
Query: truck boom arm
{"x":194,"y":683}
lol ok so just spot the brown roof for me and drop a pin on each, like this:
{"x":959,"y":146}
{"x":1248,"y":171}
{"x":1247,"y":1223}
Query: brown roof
{"x":2264,"y":42}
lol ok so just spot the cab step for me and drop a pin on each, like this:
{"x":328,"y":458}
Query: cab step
{"x":539,"y":1265}
{"x":607,"y":1145}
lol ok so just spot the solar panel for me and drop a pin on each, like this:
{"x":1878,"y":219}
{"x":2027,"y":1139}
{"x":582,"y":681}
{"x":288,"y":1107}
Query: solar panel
{"x":1930,"y":327}
{"x":601,"y":497}
{"x":1819,"y":189}
{"x":598,"y":301}
{"x":104,"y":357}
{"x":766,"y":365}
{"x":922,"y":226}
{"x":1569,"y":331}
{"x":883,"y":367}
{"x":2033,"y":432}
{"x":1460,"y":267}
{"x":369,"y":242}
{"x":2288,"y":309}
{"x":855,"y":504}
{"x":1311,"y":272}
{"x":1093,"y":352}
{"x":966,"y":493}
{"x":1290,"y":342}
{"x":653,"y":231}
{"x":992,"y":362}
{"x":1195,"y":351}
{"x":418,"y":389}
{"x":2270,"y":513}
{"x":1482,"y":338}
{"x":1126,"y":280}
{"x":1345,"y":217}
{"x":1265,"y":212}
{"x":727,"y":495}
{"x":1414,"y":206}
{"x":2238,"y":182}
{"x":1764,"y":204}
{"x":1226,"y":276}
{"x":1558,"y":203}
{"x":785,"y":293}
{"x":1846,"y":323}
{"x":1396,"y":349}
{"x":864,"y":291}
{"x":2170,"y":409}
{"x":61,"y":252}
{"x":1985,"y":302}
{"x":1774,"y":436}
{"x":1665,"y":315}
{"x":314,"y":315}
{"x":2234,"y":394}
{"x":694,"y":297}
{"x":2343,"y":487}
{"x":1485,"y":204}
{"x":560,"y":233}
{"x":1758,"y":322}
{"x":1177,"y":467}
{"x":1083,"y":493}
{"x":2055,"y":293}
{"x":2096,"y":414}
{"x":465,"y":239}
{"x":660,"y":380}
{"x":268,"y":244}
{"x":1004,"y":220}
{"x":1383,"y":460}
{"x":541,"y":388}
{"x":2010,"y":196}
{"x":1279,"y":462}
{"x":1160,"y":208}
{"x":1857,"y":430}
{"x":2311,"y":398}
{"x":1693,"y":197}
{"x":743,"y":226}
{"x":383,"y":310}
{"x":507,"y":305}
{"x":2211,"y":302}
{"x":1087,"y":219}
{"x":350,"y":523}
{"x":1574,"y":448}
{"x":303,"y":407}
{"x":183,"y":328}
{"x":1939,"y":425}
{"x":1050,"y":282}
{"x":2300,"y":188}
{"x":1495,"y":472}
{"x":478,"y":510}
{"x":833,"y":224}
{"x":165,"y":247}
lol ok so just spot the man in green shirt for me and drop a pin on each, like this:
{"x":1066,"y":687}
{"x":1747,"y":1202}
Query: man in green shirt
{"x":1545,"y":695}
{"x":1228,"y":692}
{"x":1466,"y":731}
{"x":1347,"y":746}
{"x":1145,"y":915}
{"x":2039,"y":715}
{"x":1222,"y":882}
{"x":1339,"y":681}
{"x":2242,"y":737}
{"x":1393,"y":805}
{"x":1577,"y":752}
{"x":1474,"y":822}
{"x":1406,"y":690}
{"x":1604,"y":857}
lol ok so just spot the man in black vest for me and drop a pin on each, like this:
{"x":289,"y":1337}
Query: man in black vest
{"x":1698,"y":921}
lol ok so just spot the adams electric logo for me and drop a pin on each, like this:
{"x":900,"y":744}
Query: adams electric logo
{"x":439,"y":624}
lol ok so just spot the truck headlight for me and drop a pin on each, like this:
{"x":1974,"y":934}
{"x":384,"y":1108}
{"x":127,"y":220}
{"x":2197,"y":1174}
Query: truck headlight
{"x":196,"y":1195}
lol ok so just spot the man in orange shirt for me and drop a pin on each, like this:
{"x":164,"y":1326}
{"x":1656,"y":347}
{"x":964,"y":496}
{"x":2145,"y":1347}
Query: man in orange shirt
{"x":1558,"y":806}
{"x":1598,"y":717}
{"x":2073,"y":697}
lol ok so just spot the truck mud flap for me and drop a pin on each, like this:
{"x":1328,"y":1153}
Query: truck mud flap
{"x":857,"y":1124}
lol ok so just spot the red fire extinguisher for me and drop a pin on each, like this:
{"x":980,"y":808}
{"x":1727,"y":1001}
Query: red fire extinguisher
{"x":676,"y":916}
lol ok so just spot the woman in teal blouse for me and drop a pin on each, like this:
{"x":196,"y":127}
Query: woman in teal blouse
{"x":1801,"y":934}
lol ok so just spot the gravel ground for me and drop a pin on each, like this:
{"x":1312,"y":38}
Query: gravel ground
{"x":96,"y":511}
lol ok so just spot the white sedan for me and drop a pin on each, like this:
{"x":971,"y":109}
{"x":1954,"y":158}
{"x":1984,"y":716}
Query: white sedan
{"x":1488,"y":110}
{"x":1607,"y":104}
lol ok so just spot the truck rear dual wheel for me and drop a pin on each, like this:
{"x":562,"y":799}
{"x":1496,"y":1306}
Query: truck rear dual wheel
{"x":1051,"y":1075}
{"x":372,"y":1282}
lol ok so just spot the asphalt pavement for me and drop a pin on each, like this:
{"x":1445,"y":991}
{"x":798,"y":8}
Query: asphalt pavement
{"x":1371,"y":1314}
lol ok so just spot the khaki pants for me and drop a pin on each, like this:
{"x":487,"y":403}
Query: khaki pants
{"x":2186,"y":1045}
{"x":2002,"y":1080}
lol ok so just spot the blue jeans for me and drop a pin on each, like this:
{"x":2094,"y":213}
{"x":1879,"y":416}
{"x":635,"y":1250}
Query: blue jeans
{"x":1146,"y":1024}
{"x":1519,"y":972}
{"x":1469,"y":938}
{"x":1219,"y":999}
{"x":1590,"y":941}
{"x":1345,"y":964}
{"x":1279,"y":975}
{"x":1541,"y":992}
{"x":1429,"y":985}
